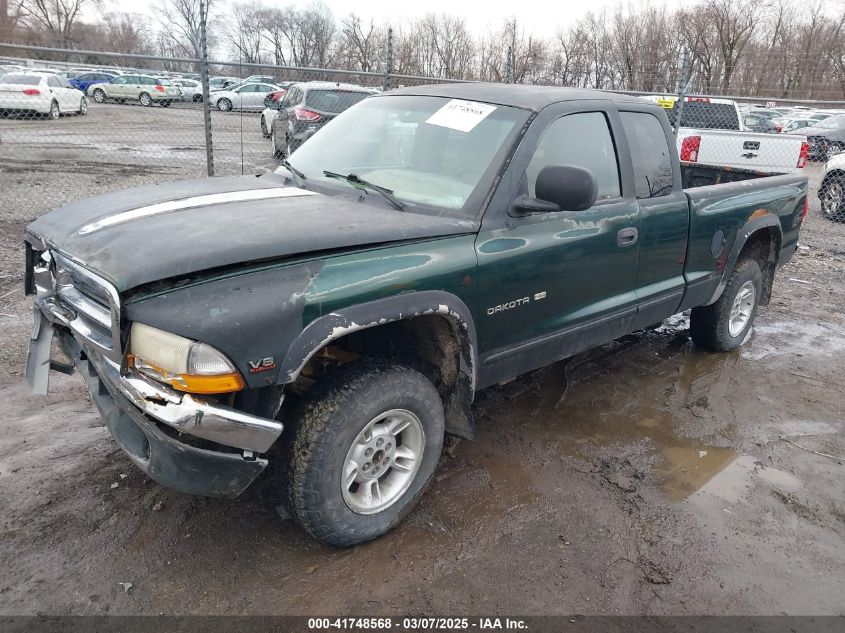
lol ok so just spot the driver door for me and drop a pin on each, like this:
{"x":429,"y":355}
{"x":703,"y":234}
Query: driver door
{"x":554,"y":283}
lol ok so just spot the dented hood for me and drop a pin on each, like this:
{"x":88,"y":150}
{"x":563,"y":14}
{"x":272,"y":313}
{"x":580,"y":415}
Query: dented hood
{"x":148,"y":234}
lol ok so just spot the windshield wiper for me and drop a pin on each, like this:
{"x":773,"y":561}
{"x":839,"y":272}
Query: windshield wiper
{"x":298,"y":176}
{"x":354,"y":180}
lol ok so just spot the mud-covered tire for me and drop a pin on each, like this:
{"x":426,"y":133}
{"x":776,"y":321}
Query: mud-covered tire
{"x":710,"y":326}
{"x":327,"y":424}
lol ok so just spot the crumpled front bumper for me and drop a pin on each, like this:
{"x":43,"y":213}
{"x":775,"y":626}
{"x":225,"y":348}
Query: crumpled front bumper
{"x":171,"y":462}
{"x":136,"y":410}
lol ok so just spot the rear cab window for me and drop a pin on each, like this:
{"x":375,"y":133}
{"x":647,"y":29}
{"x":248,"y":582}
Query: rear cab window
{"x":704,"y":114}
{"x":650,"y":155}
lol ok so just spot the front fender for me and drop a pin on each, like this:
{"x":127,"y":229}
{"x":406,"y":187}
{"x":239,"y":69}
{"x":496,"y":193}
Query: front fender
{"x":372,"y":314}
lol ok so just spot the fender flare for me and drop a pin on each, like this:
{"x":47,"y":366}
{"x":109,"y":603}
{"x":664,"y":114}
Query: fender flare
{"x":363,"y":316}
{"x":743,"y":235}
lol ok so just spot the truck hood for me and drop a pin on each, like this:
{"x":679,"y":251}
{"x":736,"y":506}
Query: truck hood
{"x":137,"y":236}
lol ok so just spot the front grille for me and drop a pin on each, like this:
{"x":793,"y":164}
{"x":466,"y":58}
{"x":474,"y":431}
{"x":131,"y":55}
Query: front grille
{"x":94,"y":303}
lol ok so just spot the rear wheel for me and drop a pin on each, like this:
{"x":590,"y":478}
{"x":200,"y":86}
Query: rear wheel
{"x":832,"y":197}
{"x":366,"y":444}
{"x":99,"y":96}
{"x":723,"y":326}
{"x":145,"y":99}
{"x":264,"y":131}
{"x":165,"y":104}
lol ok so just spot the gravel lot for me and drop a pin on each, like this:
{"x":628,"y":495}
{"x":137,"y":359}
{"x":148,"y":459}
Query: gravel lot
{"x":665,"y":480}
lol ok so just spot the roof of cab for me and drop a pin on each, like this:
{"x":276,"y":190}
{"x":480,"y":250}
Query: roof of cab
{"x":516,"y":95}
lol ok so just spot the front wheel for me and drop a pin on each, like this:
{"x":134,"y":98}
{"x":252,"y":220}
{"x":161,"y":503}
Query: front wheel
{"x":367,"y":441}
{"x":280,"y":152}
{"x":833,"y":149}
{"x":54,"y":113}
{"x":224,"y":105}
{"x":145,"y":100}
{"x":723,"y":325}
{"x":99,"y":96}
{"x":264,"y":131}
{"x":83,"y":106}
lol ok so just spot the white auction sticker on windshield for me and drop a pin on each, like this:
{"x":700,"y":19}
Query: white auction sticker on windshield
{"x":461,"y":115}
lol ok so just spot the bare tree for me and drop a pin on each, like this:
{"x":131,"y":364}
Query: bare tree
{"x":243,"y":31}
{"x":180,"y":23}
{"x":362,"y":44}
{"x":734,"y":22}
{"x":56,"y":17}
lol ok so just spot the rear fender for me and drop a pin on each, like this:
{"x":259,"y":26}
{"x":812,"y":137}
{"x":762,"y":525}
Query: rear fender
{"x":745,"y":233}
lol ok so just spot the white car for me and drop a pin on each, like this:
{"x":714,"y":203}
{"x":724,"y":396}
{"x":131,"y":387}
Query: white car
{"x":242,"y":97}
{"x":40,"y":93}
{"x":191,"y":90}
{"x":267,"y":117}
{"x":832,"y":189}
{"x":793,"y":125}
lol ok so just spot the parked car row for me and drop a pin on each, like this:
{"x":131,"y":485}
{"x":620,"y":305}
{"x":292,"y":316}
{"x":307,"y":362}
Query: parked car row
{"x":824,"y":129}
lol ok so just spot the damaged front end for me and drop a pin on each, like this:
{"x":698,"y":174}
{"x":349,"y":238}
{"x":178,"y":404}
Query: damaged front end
{"x":185,"y":442}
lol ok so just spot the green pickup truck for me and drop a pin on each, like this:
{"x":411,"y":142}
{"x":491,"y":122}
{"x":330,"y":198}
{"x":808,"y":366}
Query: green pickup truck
{"x":338,"y":316}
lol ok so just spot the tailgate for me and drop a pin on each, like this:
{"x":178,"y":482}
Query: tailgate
{"x":776,"y":153}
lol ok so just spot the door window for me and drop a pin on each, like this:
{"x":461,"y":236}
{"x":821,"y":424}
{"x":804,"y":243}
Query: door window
{"x":119,"y":80}
{"x":649,"y":153}
{"x":582,"y":140}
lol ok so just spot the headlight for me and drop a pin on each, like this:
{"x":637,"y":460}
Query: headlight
{"x":181,"y":362}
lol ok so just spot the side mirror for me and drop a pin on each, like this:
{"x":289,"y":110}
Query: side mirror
{"x":561,"y":188}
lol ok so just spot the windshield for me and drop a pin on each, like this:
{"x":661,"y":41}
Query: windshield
{"x":333,"y":101}
{"x":431,"y":152}
{"x":831,"y":123}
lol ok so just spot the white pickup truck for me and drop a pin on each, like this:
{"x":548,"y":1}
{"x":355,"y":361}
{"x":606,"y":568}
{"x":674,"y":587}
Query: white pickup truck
{"x":712,"y":133}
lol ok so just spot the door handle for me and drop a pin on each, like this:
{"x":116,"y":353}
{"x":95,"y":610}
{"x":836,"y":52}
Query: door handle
{"x":627,"y":237}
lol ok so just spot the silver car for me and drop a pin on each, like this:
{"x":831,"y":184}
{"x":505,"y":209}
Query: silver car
{"x":145,"y":89}
{"x":191,"y":90}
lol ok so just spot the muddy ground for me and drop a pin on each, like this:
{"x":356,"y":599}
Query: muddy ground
{"x":663,"y":480}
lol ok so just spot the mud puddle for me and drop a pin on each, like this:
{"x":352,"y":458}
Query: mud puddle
{"x":642,"y":392}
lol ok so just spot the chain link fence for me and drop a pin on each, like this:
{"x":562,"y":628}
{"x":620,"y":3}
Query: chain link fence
{"x":77,"y":123}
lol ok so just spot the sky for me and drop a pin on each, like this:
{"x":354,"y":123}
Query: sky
{"x":540,"y":17}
